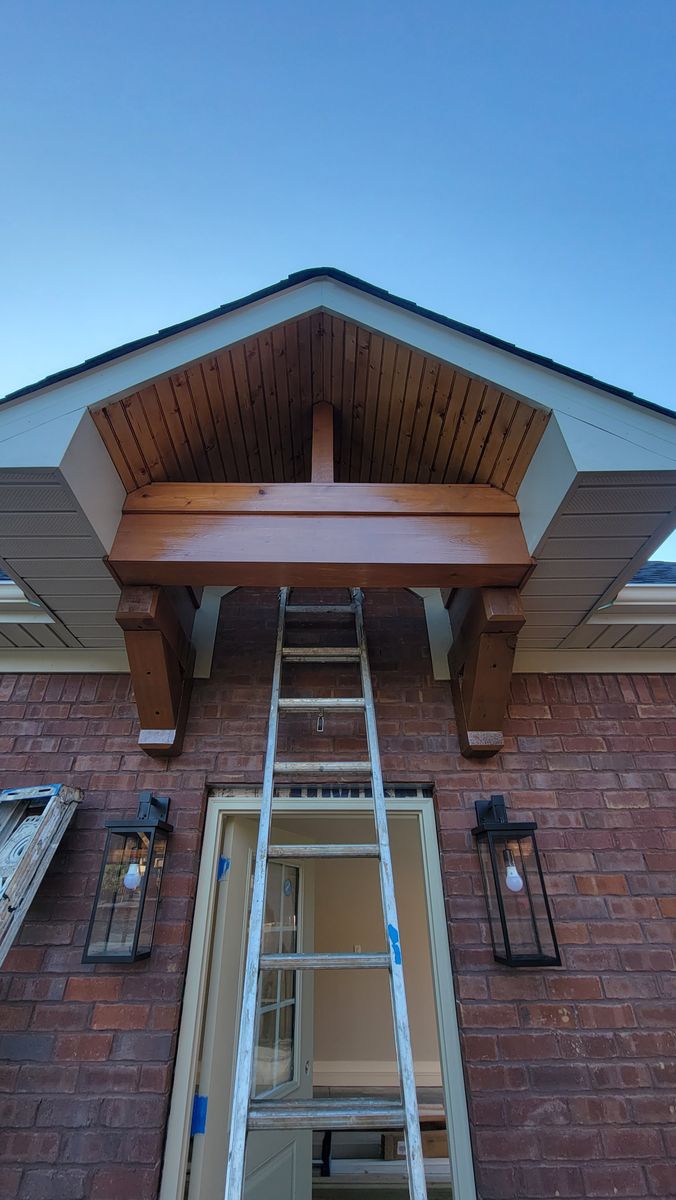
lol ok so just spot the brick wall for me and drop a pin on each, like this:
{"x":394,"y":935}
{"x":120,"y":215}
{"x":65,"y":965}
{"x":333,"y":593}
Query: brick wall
{"x":571,"y":1073}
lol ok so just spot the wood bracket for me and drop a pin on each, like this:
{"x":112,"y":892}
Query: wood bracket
{"x":485,"y":623}
{"x":157,"y":624}
{"x":322,"y":443}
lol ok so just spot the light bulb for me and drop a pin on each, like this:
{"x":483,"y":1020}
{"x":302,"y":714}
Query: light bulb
{"x":132,"y":879}
{"x":512,"y":878}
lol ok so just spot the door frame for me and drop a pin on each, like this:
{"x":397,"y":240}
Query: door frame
{"x":227,"y":801}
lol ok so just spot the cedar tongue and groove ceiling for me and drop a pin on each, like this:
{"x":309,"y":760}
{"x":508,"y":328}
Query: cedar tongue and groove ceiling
{"x":244,"y":415}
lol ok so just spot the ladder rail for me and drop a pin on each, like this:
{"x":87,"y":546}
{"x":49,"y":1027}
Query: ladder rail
{"x":246,"y":1041}
{"x":402,"y":1033}
{"x":246,"y":1112}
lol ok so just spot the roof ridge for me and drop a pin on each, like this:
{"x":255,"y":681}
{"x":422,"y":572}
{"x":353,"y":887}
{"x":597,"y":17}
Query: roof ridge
{"x":304,"y":276}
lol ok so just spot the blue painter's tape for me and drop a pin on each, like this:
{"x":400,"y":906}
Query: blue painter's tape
{"x":223,"y":868}
{"x":199,"y":1114}
{"x":393,"y":934}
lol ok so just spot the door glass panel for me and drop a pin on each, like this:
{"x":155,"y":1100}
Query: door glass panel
{"x":275,"y":1049}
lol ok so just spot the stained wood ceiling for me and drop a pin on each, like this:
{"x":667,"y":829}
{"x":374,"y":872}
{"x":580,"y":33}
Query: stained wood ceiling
{"x":243,"y":415}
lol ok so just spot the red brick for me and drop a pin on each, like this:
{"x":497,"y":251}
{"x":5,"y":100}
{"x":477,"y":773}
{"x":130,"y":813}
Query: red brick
{"x":120,"y":1016}
{"x":94,"y":987}
{"x":110,"y":1183}
{"x":58,"y":1184}
{"x":602,"y":885}
{"x":10,"y":1178}
{"x":575,"y":1144}
{"x":525,"y":1047}
{"x":660,"y":1178}
{"x":35,"y":1147}
{"x":632,"y":1143}
{"x":607,"y":1016}
{"x":83,"y":1047}
{"x":608,"y":1179}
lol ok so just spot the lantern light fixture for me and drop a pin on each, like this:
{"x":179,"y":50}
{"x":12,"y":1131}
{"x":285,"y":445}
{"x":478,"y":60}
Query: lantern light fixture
{"x":128,"y":891}
{"x":519,"y":913}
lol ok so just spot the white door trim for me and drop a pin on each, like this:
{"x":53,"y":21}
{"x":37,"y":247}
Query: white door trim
{"x":226,"y":802}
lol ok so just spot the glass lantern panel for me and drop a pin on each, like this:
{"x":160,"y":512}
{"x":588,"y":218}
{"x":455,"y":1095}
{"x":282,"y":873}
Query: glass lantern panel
{"x":152,"y":865}
{"x":492,"y":905}
{"x":528,"y":926}
{"x":119,"y":897}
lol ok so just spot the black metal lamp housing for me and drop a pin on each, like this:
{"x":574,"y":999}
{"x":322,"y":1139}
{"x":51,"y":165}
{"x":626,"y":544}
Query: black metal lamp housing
{"x":520,"y":918}
{"x":123,"y":921}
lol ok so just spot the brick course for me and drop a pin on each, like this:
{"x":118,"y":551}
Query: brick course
{"x":570,"y":1073}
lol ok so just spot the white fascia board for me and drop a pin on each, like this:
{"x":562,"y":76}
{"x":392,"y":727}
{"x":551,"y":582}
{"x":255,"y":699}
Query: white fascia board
{"x":39,"y":439}
{"x":68,"y":661}
{"x":69,"y":398}
{"x":548,"y":481}
{"x":541,"y":386}
{"x":88,"y":470}
{"x":639,"y":604}
{"x":595,"y":662}
{"x":648,"y":593}
{"x":596,"y":448}
{"x":17,"y":609}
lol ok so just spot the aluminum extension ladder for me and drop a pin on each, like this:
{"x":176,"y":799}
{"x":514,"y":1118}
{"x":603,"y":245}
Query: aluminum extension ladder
{"x":247,"y":1113}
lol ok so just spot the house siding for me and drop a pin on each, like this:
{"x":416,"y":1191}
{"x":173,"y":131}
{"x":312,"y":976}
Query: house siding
{"x":570,"y":1072}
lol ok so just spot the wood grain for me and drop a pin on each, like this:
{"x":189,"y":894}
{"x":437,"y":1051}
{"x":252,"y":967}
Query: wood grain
{"x":244,"y":414}
{"x":367,"y":498}
{"x":331,"y":550}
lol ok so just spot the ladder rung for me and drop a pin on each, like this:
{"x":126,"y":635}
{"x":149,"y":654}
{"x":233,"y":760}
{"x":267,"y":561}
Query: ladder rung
{"x":320,"y":608}
{"x":322,"y":768}
{"x":323,"y":962}
{"x":326,"y":1114}
{"x":321,"y":653}
{"x":310,"y":703}
{"x":346,"y":850}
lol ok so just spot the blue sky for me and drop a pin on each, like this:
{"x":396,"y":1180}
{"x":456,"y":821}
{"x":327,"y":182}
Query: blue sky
{"x":509,"y":164}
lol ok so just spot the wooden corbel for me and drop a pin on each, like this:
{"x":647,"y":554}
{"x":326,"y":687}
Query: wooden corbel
{"x":485,"y":623}
{"x":157,"y":624}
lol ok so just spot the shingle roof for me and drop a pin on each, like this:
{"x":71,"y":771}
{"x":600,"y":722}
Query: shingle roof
{"x":656,"y":572}
{"x":351,"y":281}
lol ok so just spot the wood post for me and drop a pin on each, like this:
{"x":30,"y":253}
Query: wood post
{"x":322,"y":443}
{"x":485,"y":623}
{"x":157,"y":624}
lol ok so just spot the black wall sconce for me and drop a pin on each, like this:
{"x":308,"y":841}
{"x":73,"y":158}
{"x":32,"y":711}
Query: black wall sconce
{"x":127,"y":894}
{"x":520,"y":918}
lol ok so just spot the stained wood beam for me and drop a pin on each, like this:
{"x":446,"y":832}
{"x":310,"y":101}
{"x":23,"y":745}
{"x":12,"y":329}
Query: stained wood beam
{"x":322,"y":443}
{"x":313,"y":534}
{"x":157,"y":623}
{"x":320,"y":550}
{"x":367,"y":499}
{"x":485,"y":623}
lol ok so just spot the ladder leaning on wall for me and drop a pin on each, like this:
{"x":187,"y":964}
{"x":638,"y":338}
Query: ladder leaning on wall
{"x":247,"y":1113}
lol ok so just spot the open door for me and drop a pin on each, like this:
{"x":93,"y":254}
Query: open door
{"x":278,"y":1163}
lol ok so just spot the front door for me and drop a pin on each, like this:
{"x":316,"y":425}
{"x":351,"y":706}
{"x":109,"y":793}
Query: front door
{"x":278,"y":1163}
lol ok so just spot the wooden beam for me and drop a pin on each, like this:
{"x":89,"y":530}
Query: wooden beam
{"x":320,"y":550}
{"x":367,"y":499}
{"x":322,"y":443}
{"x":485,"y":623}
{"x":157,"y":627}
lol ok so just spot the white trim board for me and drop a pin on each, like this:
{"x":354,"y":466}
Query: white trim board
{"x":590,"y":407}
{"x":595,"y":662}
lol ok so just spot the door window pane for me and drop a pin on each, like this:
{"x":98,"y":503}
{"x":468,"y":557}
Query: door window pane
{"x":275,"y":1050}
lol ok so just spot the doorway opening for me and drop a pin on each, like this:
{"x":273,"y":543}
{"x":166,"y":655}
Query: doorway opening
{"x":325,"y":1033}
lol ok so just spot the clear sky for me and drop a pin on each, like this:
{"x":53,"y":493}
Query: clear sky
{"x":511,"y":163}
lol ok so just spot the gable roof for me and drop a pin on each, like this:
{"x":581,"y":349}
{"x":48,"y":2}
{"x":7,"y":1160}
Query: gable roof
{"x":299,"y":277}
